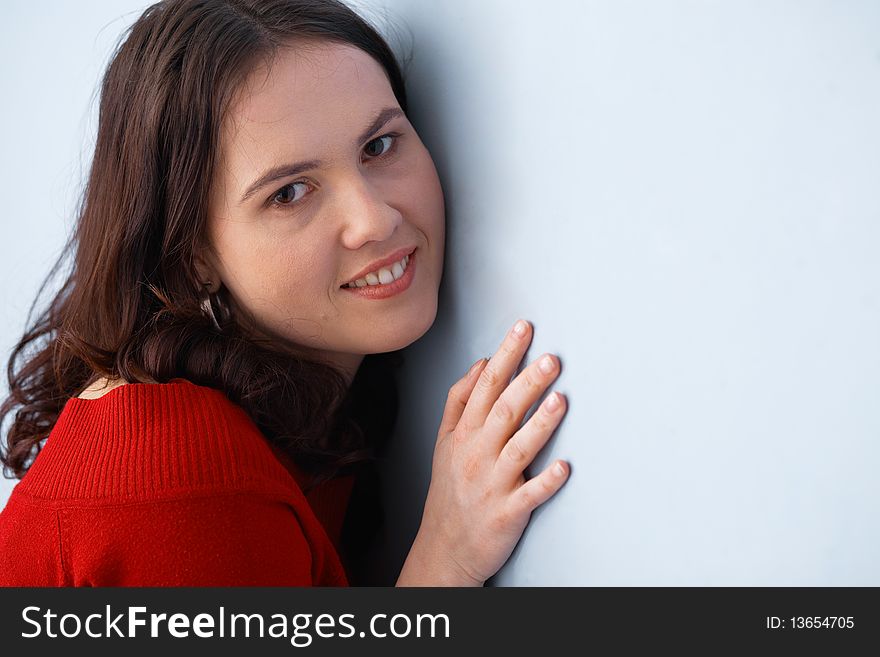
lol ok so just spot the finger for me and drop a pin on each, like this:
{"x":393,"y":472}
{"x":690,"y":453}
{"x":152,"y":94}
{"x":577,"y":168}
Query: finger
{"x":540,"y":488}
{"x":516,"y":399}
{"x":496,"y":375}
{"x":458,"y":397}
{"x":524,"y":445}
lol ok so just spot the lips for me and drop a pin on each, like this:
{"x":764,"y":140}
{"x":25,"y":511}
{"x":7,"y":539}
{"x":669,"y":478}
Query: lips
{"x":384,"y":262}
{"x":387,"y":290}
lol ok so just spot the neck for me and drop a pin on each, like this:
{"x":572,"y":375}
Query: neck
{"x":349,"y":364}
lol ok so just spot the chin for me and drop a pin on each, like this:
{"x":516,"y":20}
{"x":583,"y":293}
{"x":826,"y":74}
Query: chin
{"x":425,"y":321}
{"x":403,"y":336}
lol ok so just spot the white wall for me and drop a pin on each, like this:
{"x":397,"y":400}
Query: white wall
{"x":682,"y":197}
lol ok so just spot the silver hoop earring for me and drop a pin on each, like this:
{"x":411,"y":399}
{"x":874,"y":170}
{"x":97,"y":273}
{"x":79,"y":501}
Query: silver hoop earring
{"x":208,"y":300}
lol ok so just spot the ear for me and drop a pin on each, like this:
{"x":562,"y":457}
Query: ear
{"x":206,"y":270}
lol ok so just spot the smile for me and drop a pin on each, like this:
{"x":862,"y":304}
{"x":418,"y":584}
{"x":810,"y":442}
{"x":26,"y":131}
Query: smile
{"x":383,"y":276}
{"x":387,"y":281}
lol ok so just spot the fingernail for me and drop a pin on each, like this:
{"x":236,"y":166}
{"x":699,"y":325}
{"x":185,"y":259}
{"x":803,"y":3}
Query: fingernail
{"x":546,"y":365}
{"x":474,"y":367}
{"x":552,"y":402}
{"x":558,"y":469}
{"x":520,"y":328}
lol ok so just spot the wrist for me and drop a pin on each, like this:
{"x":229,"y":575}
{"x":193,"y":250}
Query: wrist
{"x":427,"y":567}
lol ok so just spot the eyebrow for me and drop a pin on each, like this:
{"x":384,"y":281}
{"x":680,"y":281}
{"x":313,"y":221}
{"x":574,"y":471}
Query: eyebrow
{"x":285,"y":170}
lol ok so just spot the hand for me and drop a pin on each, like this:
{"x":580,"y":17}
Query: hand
{"x":479,"y":501}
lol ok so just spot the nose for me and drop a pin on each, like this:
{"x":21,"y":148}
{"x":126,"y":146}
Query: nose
{"x":366,"y":214}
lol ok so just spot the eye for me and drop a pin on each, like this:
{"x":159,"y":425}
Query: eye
{"x":283,"y":197}
{"x":379,"y":139}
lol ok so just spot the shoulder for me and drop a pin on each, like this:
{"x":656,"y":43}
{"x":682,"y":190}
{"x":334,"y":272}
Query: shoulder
{"x":142,"y":440}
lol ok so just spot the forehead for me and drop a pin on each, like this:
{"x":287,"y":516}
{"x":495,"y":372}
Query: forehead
{"x":305,"y":95}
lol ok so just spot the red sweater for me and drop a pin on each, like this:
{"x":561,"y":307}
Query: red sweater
{"x":168,"y":484}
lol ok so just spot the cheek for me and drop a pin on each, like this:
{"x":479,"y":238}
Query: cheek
{"x":431,"y":204}
{"x":426,"y":195}
{"x":277,"y":271}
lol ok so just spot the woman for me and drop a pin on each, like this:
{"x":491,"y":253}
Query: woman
{"x":261,"y":233}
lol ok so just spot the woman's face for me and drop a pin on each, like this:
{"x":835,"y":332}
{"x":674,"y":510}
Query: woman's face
{"x":284,"y":242}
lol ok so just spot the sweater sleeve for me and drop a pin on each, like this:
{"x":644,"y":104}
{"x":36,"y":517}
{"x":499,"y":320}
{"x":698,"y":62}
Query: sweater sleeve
{"x":220,"y":539}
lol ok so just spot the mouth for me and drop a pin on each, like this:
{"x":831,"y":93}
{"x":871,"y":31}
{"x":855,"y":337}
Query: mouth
{"x":384,"y":275}
{"x":399,"y":277}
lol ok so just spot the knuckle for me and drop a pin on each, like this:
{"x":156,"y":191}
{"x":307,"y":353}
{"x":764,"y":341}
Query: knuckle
{"x":546,"y":486}
{"x":460,"y":434}
{"x":508,"y":348}
{"x":501,"y":521}
{"x":489,"y":378}
{"x":530,"y":383}
{"x":502,"y":410}
{"x":470,"y":468}
{"x":539,"y":420}
{"x":514,"y":452}
{"x":457,"y":396}
{"x":526,"y":498}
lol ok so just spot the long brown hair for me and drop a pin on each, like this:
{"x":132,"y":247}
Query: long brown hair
{"x":129,"y":307}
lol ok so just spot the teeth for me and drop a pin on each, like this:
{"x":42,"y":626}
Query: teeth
{"x":384,"y":276}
